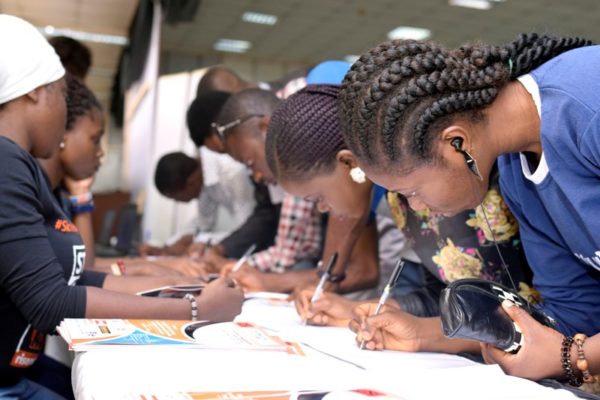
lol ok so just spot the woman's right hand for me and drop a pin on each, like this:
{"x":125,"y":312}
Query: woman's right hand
{"x":220,"y":301}
{"x":330,"y":310}
{"x":391,"y":329}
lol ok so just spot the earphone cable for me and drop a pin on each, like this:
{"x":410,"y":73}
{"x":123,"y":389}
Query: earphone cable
{"x":494,"y":240}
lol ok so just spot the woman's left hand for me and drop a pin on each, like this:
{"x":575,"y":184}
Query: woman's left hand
{"x":77,"y":187}
{"x":539,"y":356}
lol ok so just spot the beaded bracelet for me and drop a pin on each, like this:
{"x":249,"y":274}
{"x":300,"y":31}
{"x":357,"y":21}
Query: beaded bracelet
{"x":582,"y":363}
{"x":565,"y":359}
{"x":193,"y":304}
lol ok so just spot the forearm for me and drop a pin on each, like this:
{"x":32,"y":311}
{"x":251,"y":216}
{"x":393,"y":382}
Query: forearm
{"x":341,"y":237}
{"x":83,"y":221}
{"x":180,"y":246}
{"x":108,"y":304}
{"x":134,"y":284}
{"x":435,"y":341}
{"x":363,"y":269}
{"x":360,"y":275}
{"x":286,"y":282}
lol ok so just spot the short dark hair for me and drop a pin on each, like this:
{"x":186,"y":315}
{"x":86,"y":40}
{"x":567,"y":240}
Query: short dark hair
{"x":202,"y":113}
{"x":74,"y":55}
{"x":172,"y":172}
{"x":304,"y":134}
{"x":80,"y":100}
{"x":248,"y":101}
{"x":215,"y":78}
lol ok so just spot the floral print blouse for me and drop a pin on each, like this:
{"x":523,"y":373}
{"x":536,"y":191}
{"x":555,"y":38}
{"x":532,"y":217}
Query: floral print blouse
{"x":463,"y":246}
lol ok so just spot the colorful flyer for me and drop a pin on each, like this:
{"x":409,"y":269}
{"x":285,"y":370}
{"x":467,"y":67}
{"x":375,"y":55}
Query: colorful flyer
{"x":86,"y":334}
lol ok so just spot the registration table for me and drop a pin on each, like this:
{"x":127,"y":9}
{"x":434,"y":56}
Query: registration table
{"x":331,"y":362}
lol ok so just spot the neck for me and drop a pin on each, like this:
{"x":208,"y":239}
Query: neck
{"x":522,"y":133}
{"x":366,"y":191}
{"x":54,"y":169}
{"x":12,"y":126}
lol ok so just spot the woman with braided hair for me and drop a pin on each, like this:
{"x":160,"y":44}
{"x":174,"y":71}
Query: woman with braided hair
{"x":429,"y":123}
{"x":307,"y":154}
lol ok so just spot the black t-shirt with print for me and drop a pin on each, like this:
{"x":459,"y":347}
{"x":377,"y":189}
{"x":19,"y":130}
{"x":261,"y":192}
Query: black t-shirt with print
{"x":41,"y":261}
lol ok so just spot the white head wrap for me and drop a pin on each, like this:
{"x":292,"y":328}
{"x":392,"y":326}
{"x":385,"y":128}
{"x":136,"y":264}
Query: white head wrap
{"x":27,"y":60}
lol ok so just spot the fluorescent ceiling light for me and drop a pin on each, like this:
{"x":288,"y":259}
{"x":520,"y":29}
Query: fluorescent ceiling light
{"x":351,"y":58}
{"x":259,"y":18}
{"x":409,"y":32}
{"x":84,"y":36}
{"x":232,"y":45}
{"x":476,"y":4}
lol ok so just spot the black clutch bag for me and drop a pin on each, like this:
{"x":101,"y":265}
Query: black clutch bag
{"x":471,"y":309}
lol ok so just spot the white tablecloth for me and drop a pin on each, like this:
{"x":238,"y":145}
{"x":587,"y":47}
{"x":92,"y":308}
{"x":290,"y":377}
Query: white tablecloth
{"x":166,"y":371}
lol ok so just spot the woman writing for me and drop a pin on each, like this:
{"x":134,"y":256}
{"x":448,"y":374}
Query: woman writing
{"x":429,"y":122}
{"x":306,"y":151}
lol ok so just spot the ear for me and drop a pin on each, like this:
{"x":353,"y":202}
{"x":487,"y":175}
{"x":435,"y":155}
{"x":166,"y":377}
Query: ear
{"x":455,"y":135}
{"x":34,"y":95}
{"x":214,"y":143}
{"x":346,"y":157}
{"x":66,"y":138}
{"x":263,"y":125}
{"x":196,"y":176}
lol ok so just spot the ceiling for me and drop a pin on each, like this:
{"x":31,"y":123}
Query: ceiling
{"x":308,"y":31}
{"x":97,"y":16}
{"x":313,"y":30}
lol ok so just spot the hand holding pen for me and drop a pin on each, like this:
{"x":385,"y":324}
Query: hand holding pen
{"x":244,"y":258}
{"x":326,"y":274}
{"x":387,"y":290}
{"x":198,"y":250}
{"x":324,"y":278}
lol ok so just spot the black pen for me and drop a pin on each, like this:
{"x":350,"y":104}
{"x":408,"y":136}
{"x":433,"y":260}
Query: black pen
{"x":388,"y":290}
{"x":326,"y":274}
{"x":207,"y":247}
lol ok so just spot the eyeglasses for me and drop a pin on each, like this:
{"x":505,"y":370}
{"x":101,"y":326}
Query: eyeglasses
{"x":222,"y":128}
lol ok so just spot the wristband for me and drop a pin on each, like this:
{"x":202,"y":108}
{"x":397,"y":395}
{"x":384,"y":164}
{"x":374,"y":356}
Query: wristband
{"x":83,"y":208}
{"x":81,"y":199}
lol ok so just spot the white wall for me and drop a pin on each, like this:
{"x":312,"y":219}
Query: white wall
{"x":164,"y":217}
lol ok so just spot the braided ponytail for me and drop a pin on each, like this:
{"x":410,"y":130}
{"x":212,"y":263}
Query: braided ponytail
{"x":80,"y":100}
{"x":397,"y":95}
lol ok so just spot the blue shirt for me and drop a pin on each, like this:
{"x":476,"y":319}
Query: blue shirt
{"x":558,"y":204}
